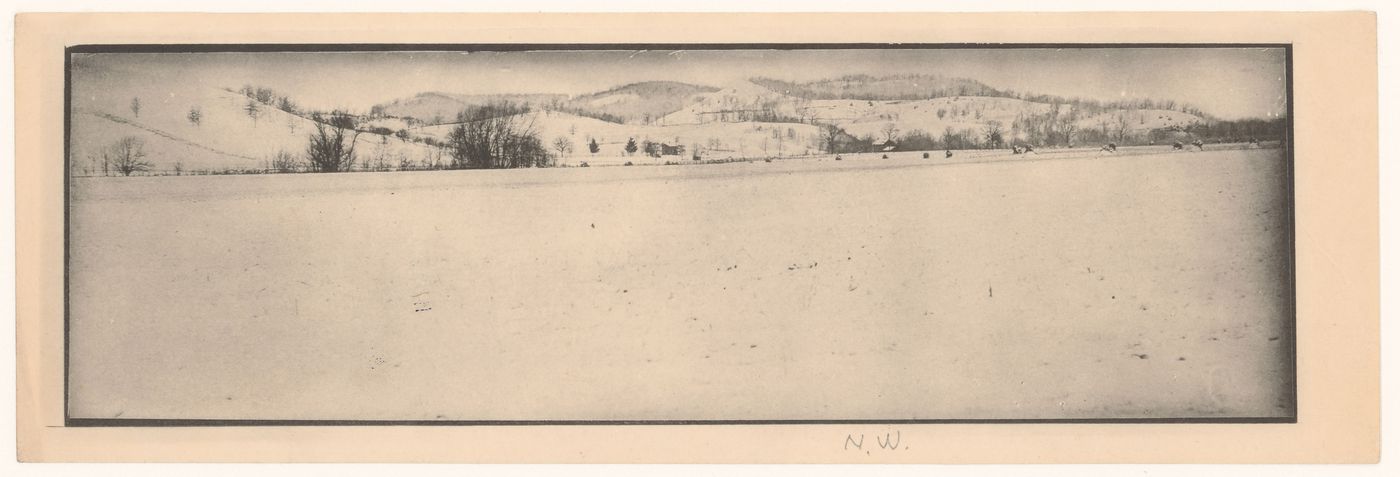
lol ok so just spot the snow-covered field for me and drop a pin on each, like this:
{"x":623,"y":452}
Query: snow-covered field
{"x":1065,"y":285}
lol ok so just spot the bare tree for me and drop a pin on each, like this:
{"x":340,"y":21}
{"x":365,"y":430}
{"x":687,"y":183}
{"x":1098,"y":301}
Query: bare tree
{"x":1068,"y":127}
{"x":126,"y":156}
{"x":136,"y":107}
{"x":1121,"y":128}
{"x":379,"y":158}
{"x":563,"y":145}
{"x":831,"y":137}
{"x":105,"y":165}
{"x":889,"y":131}
{"x":252,"y":109}
{"x":195,"y":116}
{"x":994,"y":138}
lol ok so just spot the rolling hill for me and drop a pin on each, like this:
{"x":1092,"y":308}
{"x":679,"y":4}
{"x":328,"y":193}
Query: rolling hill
{"x":226,"y":137}
{"x":754,"y":118}
{"x":639,"y":102}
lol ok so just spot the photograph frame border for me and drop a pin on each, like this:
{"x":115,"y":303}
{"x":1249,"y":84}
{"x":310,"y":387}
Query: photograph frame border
{"x":1336,"y":261}
{"x":1289,"y":321}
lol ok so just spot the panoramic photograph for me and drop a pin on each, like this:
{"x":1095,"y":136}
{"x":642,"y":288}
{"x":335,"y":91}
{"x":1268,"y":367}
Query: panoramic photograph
{"x":745,"y":233}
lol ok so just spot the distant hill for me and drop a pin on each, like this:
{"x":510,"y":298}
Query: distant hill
{"x":901,"y":87}
{"x":635,"y":103}
{"x":638,"y":102}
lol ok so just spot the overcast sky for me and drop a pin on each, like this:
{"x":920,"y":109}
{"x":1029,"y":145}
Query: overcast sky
{"x":1227,"y":82}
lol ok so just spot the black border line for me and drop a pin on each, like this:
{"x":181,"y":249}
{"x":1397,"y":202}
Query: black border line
{"x":507,"y":47}
{"x":69,"y":421}
{"x":118,"y":422}
{"x":67,"y":188}
{"x":1291,"y":306}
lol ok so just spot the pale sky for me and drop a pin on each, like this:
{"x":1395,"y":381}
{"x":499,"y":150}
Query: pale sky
{"x":1229,"y":83}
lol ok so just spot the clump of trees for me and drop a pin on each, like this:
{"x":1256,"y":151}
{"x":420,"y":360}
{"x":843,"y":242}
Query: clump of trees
{"x":331,"y":148}
{"x":496,"y":136}
{"x":834,"y":140}
{"x":491,"y":110}
{"x":588,"y":113}
{"x":1240,"y":130}
{"x":284,"y":162}
{"x":270,"y":98}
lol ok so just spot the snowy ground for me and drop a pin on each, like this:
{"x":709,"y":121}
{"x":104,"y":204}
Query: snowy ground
{"x":1066,"y":285}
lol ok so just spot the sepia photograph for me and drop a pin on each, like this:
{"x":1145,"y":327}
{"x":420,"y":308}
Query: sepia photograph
{"x":726,"y":233}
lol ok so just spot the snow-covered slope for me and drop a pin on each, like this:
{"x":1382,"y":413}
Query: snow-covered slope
{"x":226,"y":137}
{"x":713,"y":140}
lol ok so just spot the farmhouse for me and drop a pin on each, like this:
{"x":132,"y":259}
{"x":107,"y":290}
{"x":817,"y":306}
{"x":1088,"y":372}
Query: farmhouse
{"x":669,"y":150}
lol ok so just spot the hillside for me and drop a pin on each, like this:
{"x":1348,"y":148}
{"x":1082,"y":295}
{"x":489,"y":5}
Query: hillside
{"x":872,"y":107}
{"x":226,"y":137}
{"x":639,"y":102}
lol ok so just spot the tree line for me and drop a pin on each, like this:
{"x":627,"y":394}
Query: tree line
{"x":911,"y":87}
{"x":1052,"y":129}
